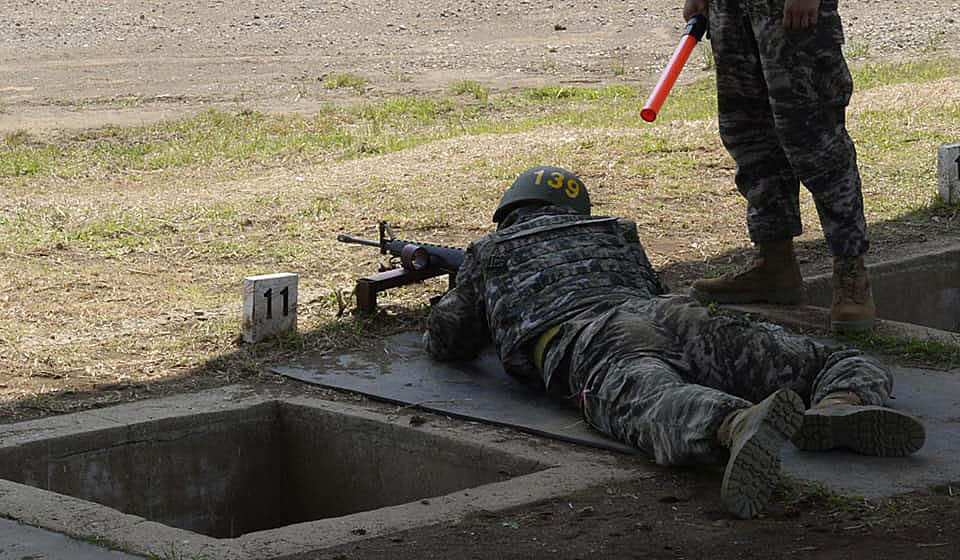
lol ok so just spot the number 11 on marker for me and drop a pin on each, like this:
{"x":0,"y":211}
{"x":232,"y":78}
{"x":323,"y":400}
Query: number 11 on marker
{"x":285,"y":292}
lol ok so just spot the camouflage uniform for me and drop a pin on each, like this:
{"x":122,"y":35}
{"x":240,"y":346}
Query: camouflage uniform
{"x":651,"y":370}
{"x":782,"y":97}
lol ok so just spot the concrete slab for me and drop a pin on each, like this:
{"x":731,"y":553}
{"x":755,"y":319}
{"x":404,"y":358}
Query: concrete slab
{"x":931,"y":395}
{"x":20,"y":542}
{"x":479,"y":390}
{"x":413,"y":468}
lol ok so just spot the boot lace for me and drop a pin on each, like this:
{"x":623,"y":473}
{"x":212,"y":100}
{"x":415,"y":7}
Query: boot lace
{"x":846,"y":278}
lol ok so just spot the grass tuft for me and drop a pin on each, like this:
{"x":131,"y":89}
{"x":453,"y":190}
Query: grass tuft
{"x":915,"y":349}
{"x":856,"y":50}
{"x":16,"y":138}
{"x":349,"y":81}
{"x":918,"y":71}
{"x":475,"y":89}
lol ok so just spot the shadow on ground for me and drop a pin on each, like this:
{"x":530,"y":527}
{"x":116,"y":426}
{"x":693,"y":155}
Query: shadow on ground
{"x":918,"y":231}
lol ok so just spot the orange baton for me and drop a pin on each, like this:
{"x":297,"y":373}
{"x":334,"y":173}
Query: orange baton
{"x":696,"y":27}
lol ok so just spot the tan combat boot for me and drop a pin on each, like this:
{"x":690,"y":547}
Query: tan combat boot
{"x":839,"y":420}
{"x":755,"y":436}
{"x":773,"y":278}
{"x":853,"y":308}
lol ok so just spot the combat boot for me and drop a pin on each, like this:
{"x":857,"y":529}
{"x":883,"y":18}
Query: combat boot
{"x":774,"y":277}
{"x":755,"y":436}
{"x":839,"y":420}
{"x":853,"y":308}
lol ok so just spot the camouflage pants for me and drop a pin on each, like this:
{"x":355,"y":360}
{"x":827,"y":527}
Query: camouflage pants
{"x":782,"y":98}
{"x":662,"y":374}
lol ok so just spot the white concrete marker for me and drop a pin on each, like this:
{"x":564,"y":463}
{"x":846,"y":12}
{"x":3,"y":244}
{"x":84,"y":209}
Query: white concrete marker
{"x":948,"y":171}
{"x":269,"y":305}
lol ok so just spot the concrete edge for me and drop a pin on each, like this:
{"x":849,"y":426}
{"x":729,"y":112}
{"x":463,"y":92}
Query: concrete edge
{"x":567,"y":468}
{"x":817,"y":319}
{"x":935,"y":256}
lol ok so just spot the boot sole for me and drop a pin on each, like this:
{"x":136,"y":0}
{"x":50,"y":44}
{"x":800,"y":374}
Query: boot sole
{"x":754,"y":465}
{"x":869,"y":430}
{"x":748,"y":297}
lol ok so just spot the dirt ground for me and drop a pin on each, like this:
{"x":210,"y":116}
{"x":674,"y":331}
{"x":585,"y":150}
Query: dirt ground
{"x":89,"y":63}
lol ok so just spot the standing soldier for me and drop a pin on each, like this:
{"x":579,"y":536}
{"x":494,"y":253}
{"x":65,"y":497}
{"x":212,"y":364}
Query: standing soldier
{"x":572,"y":300}
{"x":782,"y":91}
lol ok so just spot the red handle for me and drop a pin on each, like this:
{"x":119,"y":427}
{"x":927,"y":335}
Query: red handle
{"x":668,"y":78}
{"x":695,"y":30}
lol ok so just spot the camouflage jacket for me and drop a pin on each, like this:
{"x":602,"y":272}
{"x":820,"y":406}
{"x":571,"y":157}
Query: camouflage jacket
{"x":543,"y":266}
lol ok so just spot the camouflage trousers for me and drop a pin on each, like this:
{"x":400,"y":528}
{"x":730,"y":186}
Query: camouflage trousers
{"x":662,"y":374}
{"x":782,"y":98}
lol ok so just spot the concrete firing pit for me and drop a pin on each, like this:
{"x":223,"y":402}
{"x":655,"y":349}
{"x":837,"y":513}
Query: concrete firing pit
{"x":917,"y":299}
{"x":232,"y":474}
{"x":920,"y":290}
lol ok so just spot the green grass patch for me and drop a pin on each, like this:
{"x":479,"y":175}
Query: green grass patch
{"x":571,"y":93}
{"x":856,"y":50}
{"x":210,"y":232}
{"x":478,"y":92}
{"x":929,"y":351}
{"x":29,"y":160}
{"x":404,"y":113}
{"x":707,"y":61}
{"x":350,"y":81}
{"x":799,"y":495}
{"x":219,"y":138}
{"x":695,"y":102}
{"x":916,"y":71}
{"x":322,"y":205}
{"x":16,"y":138}
{"x":897,"y":153}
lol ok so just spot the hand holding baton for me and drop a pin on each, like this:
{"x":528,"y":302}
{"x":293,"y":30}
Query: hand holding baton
{"x":695,"y":30}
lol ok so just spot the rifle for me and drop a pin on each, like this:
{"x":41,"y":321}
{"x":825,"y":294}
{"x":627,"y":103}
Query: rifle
{"x":418,"y":262}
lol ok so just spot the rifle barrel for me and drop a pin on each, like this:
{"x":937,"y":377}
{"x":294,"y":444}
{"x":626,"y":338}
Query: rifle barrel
{"x":420,"y":255}
{"x":344,"y":238}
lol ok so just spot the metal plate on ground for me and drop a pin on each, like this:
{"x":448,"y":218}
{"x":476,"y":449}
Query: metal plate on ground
{"x":400,"y":371}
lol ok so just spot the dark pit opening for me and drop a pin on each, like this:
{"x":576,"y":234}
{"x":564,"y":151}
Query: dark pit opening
{"x":225,"y":474}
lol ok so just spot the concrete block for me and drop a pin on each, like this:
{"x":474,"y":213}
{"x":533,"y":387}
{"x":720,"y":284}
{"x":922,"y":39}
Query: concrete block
{"x":948,"y":172}
{"x":269,"y":305}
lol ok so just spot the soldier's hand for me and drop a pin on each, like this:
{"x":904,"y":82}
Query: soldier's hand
{"x":800,"y":14}
{"x":694,"y":8}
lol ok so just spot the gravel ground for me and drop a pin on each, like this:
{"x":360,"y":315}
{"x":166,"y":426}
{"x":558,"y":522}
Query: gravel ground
{"x":82,"y":63}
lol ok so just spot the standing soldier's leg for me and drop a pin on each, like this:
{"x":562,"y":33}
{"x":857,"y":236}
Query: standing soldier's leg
{"x":810,"y":86}
{"x":629,"y":381}
{"x":848,"y":390}
{"x":764,"y":176}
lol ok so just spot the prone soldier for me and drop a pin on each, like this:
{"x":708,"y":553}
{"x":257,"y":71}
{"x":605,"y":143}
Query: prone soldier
{"x":573,"y":300}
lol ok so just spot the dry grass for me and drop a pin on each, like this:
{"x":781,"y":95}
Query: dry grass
{"x":124,"y":282}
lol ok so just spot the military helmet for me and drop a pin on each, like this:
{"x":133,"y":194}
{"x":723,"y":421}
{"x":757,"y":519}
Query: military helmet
{"x":547,"y":184}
